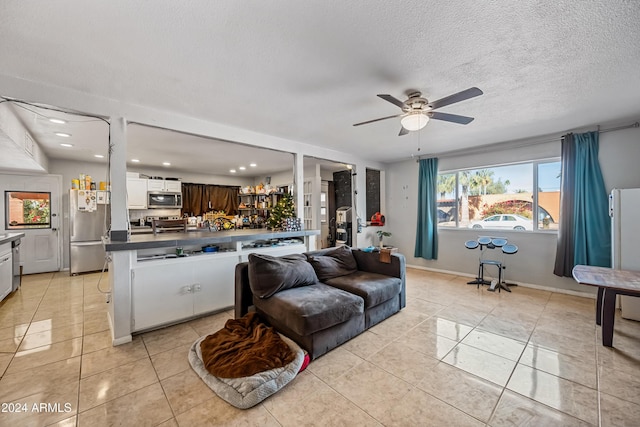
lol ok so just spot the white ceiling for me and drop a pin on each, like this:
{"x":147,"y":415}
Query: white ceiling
{"x":306,"y":71}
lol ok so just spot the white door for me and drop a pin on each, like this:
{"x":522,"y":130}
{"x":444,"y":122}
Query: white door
{"x":41,"y":248}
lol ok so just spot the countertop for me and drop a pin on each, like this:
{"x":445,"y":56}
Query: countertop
{"x":171,"y":239}
{"x":10,"y":237}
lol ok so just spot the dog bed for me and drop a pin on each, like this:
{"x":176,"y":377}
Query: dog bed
{"x":246,"y":392}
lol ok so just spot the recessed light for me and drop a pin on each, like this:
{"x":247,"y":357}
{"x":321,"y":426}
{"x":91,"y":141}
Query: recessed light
{"x":58,"y":121}
{"x":253,"y":165}
{"x":166,"y":164}
{"x":64,"y":135}
{"x":100,"y":156}
{"x":242,"y":168}
{"x":232,"y":170}
{"x":64,"y":144}
{"x":135,"y":160}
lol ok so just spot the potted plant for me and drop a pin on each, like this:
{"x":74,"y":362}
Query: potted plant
{"x":381,"y":235}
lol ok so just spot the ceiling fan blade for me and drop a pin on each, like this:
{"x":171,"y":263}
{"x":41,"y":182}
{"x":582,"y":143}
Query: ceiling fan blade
{"x":463,"y":120}
{"x":403,"y":131}
{"x":377,"y":120}
{"x":456,"y":97}
{"x":392,"y":100}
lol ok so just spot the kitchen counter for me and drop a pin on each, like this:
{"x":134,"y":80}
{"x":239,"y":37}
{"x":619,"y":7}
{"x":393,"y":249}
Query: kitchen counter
{"x":10,"y":237}
{"x":201,"y":237}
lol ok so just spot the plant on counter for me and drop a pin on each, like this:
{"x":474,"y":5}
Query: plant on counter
{"x":381,"y":234}
{"x":284,"y":209}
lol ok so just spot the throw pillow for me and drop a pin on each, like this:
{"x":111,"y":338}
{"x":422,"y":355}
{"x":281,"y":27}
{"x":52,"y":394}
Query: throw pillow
{"x":334,"y":263}
{"x":269,"y":274}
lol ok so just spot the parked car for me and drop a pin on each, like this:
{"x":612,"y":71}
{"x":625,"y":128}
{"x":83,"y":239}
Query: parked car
{"x":504,"y":221}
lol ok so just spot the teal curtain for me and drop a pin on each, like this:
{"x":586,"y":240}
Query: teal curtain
{"x":427,"y":227}
{"x":584,"y":236}
{"x":592,"y":225}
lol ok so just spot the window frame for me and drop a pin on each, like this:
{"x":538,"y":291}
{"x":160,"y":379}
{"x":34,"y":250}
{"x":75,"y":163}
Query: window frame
{"x":24,"y":226}
{"x":535,"y":189}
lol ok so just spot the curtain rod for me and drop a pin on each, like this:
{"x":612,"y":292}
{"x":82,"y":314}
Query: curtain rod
{"x":497,"y":146}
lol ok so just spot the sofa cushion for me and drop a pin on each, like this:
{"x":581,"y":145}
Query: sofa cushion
{"x":269,"y":274}
{"x":374,"y":288}
{"x":333,"y":263}
{"x":309,"y":309}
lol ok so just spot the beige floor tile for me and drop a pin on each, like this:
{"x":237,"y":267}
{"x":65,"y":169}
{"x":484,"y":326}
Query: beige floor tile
{"x":313,"y":411}
{"x":334,"y":364}
{"x":52,"y":322}
{"x":67,"y":422}
{"x":5,"y":359}
{"x":52,"y":336}
{"x":566,"y":396}
{"x":108,"y":385}
{"x":45,"y":407}
{"x":170,"y":337}
{"x":216,"y":412}
{"x":444,"y":327}
{"x":398,"y":324}
{"x":507,"y":327}
{"x":617,"y":412}
{"x":171,"y":362}
{"x":12,"y":318}
{"x":426,"y":308}
{"x":210,"y":324}
{"x":97,"y":341}
{"x":111,"y":357}
{"x":497,"y":344}
{"x":40,"y":380}
{"x":417,"y":408}
{"x":400,"y":360}
{"x":563,"y":344}
{"x":95,"y":302}
{"x":469,"y":393}
{"x":516,"y":410}
{"x":10,"y":345}
{"x":95,"y":321}
{"x":421,"y":341}
{"x":362,"y":386}
{"x":185,"y":390}
{"x":466,"y":315}
{"x":169,"y":423}
{"x":366,"y":344}
{"x":13,"y":331}
{"x":567,"y":366}
{"x":145,"y":407}
{"x":481,"y":363}
{"x":39,"y":356}
{"x":620,"y":383}
{"x":621,"y":360}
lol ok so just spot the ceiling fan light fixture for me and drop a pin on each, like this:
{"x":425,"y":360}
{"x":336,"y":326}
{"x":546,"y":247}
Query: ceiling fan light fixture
{"x":414,"y":121}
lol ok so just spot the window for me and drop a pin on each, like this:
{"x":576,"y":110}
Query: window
{"x":25,"y":210}
{"x":501,"y":197}
{"x":323,"y":206}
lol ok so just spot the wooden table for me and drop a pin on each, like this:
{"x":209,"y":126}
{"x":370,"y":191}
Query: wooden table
{"x":610,"y":283}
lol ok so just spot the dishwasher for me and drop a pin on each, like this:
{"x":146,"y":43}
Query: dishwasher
{"x":5,"y":272}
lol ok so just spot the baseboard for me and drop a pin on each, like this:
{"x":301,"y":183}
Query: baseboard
{"x":524,"y":285}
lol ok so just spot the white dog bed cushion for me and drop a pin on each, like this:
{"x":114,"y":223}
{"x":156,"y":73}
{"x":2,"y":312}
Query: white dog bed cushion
{"x":248,"y":391}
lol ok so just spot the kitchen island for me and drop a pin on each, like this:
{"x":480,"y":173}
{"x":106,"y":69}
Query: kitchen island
{"x":166,"y":278}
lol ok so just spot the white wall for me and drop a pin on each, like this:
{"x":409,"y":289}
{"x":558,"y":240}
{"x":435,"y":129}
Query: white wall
{"x":533,"y":264}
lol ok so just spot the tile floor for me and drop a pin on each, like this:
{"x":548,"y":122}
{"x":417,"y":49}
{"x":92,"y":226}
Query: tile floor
{"x":455,"y":356}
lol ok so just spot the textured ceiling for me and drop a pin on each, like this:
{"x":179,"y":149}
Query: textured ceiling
{"x":307,"y":71}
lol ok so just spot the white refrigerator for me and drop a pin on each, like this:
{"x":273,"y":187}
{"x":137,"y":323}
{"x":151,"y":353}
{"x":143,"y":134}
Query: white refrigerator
{"x":624,"y":209}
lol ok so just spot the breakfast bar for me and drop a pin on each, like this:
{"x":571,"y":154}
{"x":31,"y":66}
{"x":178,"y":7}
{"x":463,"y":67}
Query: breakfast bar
{"x":162,"y":279}
{"x":610,"y":283}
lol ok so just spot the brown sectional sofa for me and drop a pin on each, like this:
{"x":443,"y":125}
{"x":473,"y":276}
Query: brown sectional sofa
{"x":324,"y":298}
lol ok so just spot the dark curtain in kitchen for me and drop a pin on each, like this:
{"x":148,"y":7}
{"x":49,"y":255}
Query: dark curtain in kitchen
{"x":197,"y":199}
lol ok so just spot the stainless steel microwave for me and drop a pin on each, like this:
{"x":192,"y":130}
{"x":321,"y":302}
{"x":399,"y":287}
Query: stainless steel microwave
{"x":158,"y":200}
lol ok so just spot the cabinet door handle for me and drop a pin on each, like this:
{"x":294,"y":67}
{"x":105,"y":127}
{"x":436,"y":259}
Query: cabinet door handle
{"x":196,"y":287}
{"x":187,"y":289}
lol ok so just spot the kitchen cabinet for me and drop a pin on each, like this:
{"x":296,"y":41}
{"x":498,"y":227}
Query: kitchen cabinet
{"x":167,"y":291}
{"x":6,"y":270}
{"x":136,"y":193}
{"x":164,"y":185}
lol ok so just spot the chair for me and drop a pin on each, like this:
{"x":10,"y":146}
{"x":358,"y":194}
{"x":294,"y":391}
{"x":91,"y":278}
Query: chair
{"x":164,"y":225}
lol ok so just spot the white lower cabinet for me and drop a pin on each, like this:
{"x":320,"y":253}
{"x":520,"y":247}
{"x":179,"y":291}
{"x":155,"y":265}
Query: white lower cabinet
{"x":6,"y":270}
{"x":171,"y":290}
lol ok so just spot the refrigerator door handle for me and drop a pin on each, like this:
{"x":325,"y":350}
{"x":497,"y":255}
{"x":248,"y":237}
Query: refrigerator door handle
{"x":92,"y":243}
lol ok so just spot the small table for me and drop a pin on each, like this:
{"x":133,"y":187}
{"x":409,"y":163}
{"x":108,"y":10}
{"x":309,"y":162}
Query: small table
{"x":610,"y":283}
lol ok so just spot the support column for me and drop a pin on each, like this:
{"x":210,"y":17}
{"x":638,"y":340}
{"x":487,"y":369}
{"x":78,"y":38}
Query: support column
{"x":118,"y":178}
{"x":298,"y":184}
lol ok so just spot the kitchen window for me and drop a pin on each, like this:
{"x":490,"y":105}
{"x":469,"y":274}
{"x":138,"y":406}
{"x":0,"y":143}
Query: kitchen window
{"x":521,"y":197}
{"x":26,"y":210}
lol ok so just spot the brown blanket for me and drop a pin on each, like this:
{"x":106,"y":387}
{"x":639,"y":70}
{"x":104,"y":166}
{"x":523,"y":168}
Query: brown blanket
{"x":244,"y":347}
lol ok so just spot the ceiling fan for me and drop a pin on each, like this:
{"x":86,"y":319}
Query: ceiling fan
{"x":416,"y":110}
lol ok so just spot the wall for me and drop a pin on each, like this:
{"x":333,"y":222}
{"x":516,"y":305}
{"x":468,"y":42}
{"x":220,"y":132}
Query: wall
{"x":533,"y":264}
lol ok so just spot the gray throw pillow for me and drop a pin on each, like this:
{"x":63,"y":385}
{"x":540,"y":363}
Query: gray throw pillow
{"x":269,"y":274}
{"x":334,"y":263}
